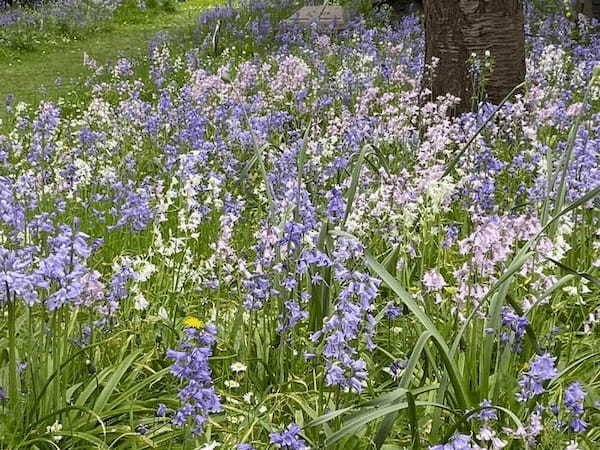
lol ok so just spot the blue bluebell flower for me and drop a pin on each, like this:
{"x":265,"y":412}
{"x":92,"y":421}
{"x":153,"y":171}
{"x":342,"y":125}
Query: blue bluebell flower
{"x":289,"y":439}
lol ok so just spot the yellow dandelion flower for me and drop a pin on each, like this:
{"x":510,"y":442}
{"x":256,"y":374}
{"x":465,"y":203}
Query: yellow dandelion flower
{"x":451,"y":290}
{"x":193,"y":322}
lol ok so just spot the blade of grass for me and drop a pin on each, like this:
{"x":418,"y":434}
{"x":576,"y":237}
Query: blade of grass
{"x":354,"y":183}
{"x":67,"y":362}
{"x":113,"y":381}
{"x":412,"y":419}
{"x":572,"y":271}
{"x":386,"y":425}
{"x":353,"y":425}
{"x":460,"y":390}
{"x":574,"y":365}
{"x":493,"y":322}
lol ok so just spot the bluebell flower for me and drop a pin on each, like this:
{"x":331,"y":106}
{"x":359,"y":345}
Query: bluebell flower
{"x":578,"y":425}
{"x":485,"y":414}
{"x":458,"y":442}
{"x":531,"y":382}
{"x":574,"y":396}
{"x":309,"y":356}
{"x":292,"y":315}
{"x":198,"y":397}
{"x":161,"y":411}
{"x":336,"y":207}
{"x":397,"y":367}
{"x":518,"y":324}
{"x":289,"y":438}
{"x":393,"y":311}
{"x":350,"y":321}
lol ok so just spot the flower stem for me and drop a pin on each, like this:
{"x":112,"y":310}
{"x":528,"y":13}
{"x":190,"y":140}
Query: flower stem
{"x":12,"y":353}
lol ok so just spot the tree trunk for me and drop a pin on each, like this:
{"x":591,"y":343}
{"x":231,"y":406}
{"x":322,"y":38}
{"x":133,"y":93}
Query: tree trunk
{"x":590,"y":8}
{"x":595,"y":9}
{"x":583,"y":7}
{"x":457,"y":28}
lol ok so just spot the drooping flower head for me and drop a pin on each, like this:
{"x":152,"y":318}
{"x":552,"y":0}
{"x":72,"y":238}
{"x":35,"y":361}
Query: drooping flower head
{"x":289,"y":439}
{"x":574,"y":396}
{"x":531,"y":382}
{"x":190,"y":363}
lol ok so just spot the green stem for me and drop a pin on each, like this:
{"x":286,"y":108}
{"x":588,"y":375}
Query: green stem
{"x":12,"y":353}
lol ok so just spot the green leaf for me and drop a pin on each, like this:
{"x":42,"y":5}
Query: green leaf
{"x":329,"y":416}
{"x":572,"y":271}
{"x":114,"y":380}
{"x":356,"y":423}
{"x":412,"y":418}
{"x":86,"y":437}
{"x":406,"y":298}
{"x":572,"y":366}
{"x":91,"y":387}
{"x":399,"y":393}
{"x":385,"y":428}
{"x":66,"y":363}
{"x":494,"y":322}
{"x":354,"y":183}
{"x":146,"y":382}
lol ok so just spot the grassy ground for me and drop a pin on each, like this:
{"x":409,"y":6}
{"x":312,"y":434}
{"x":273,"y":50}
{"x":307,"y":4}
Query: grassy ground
{"x":27,"y":75}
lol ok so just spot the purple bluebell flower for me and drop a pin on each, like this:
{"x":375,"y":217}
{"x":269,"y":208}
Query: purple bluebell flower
{"x":309,"y":356}
{"x":124,"y":67}
{"x":133,"y":206}
{"x":518,"y":324}
{"x":336,"y":207}
{"x":578,"y":425}
{"x":118,"y":289}
{"x":291,"y":317}
{"x":350,"y":321}
{"x":393,"y":311}
{"x":531,"y":382}
{"x":574,"y":396}
{"x":397,"y":367}
{"x":433,"y":280}
{"x":458,"y":442}
{"x":451,"y":235}
{"x":485,"y":414}
{"x":18,"y":276}
{"x":190,"y":364}
{"x":289,"y":439}
{"x":21,"y":366}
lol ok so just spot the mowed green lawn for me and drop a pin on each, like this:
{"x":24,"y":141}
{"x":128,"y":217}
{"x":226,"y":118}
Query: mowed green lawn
{"x":53,"y":70}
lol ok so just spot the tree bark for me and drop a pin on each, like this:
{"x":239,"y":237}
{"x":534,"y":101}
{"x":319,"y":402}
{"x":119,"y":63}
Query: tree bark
{"x":595,"y":9}
{"x":583,"y":7}
{"x":457,"y":28}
